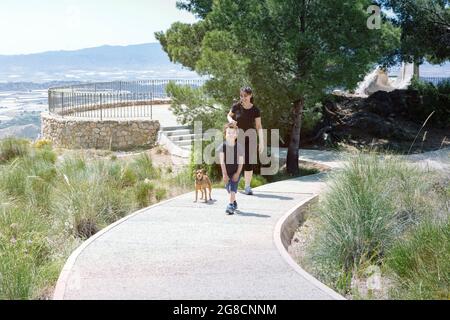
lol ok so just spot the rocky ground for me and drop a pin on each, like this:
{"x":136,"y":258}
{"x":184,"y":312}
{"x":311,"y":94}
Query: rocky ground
{"x":384,"y":120}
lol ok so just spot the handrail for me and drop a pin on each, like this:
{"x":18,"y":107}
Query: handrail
{"x":115,"y":99}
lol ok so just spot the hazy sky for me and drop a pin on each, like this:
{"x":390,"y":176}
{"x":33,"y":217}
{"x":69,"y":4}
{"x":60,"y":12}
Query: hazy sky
{"x":29,"y":26}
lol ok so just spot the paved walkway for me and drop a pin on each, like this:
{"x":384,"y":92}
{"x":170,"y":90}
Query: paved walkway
{"x":178,"y":249}
{"x":184,"y":250}
{"x":437,"y":160}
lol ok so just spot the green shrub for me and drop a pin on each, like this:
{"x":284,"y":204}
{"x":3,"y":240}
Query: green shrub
{"x":31,"y":177}
{"x":160,"y":194}
{"x":369,"y":204}
{"x":38,"y":192}
{"x":283,"y":175}
{"x":45,"y":154}
{"x":184,"y":178}
{"x":143,"y":167}
{"x":444,"y":87}
{"x":13,"y":178}
{"x":23,"y":248}
{"x":42,"y":144}
{"x":420,"y":262}
{"x":79,"y":202}
{"x":47,"y":208}
{"x":12,"y":147}
{"x":192,"y":104}
{"x":257,"y":181}
{"x":144,"y":192}
{"x":117,"y":203}
{"x":433,"y":98}
{"x":17,"y":271}
{"x":73,"y":165}
{"x":114,"y":172}
{"x":311,"y":117}
{"x":128,"y":176}
{"x":91,"y":198}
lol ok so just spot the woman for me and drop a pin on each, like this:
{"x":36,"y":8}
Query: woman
{"x":247,"y":116}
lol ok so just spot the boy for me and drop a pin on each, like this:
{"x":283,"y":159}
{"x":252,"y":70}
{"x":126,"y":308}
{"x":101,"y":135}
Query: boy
{"x":231,"y":155}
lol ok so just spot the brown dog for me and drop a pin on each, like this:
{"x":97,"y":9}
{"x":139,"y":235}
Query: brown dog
{"x":202,"y":183}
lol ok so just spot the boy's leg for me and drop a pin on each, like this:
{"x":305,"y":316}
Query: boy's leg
{"x":229,"y":187}
{"x":234,"y":189}
{"x":232,"y":196}
{"x":230,"y":207}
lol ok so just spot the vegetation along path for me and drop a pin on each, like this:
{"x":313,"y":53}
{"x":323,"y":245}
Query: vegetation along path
{"x":178,"y":249}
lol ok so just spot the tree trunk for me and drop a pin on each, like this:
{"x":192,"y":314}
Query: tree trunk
{"x":294,"y":143}
{"x":416,"y":70}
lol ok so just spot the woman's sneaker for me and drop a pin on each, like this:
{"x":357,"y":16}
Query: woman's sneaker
{"x":235,"y":205}
{"x":230,"y":209}
{"x":248,"y":191}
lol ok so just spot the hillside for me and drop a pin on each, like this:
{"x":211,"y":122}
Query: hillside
{"x":104,"y":57}
{"x":105,"y":63}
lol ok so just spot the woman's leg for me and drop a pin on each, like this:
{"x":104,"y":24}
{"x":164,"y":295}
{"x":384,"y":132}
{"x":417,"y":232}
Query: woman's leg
{"x":248,"y":168}
{"x":248,"y":178}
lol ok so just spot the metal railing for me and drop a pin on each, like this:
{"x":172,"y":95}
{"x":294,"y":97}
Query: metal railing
{"x":435,"y":80}
{"x":117,"y":99}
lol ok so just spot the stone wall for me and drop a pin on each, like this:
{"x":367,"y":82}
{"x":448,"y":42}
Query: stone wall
{"x":71,"y":133}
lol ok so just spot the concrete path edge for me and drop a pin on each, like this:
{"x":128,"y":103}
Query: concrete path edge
{"x":283,"y":233}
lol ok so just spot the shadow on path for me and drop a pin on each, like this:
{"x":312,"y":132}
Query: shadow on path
{"x":251,"y":214}
{"x":270,"y":196}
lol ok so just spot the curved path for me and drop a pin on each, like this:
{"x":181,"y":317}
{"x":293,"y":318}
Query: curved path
{"x":178,"y":249}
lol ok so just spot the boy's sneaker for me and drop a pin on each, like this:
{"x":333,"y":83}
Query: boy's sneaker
{"x":248,"y":191}
{"x":235,"y":205}
{"x":230,"y":209}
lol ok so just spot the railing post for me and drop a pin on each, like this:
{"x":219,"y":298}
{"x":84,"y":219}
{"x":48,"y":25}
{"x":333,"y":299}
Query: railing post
{"x":62,"y":104}
{"x":101,"y":108}
{"x":49,"y":99}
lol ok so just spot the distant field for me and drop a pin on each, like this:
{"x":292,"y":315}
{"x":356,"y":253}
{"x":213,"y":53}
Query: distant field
{"x":20,"y":112}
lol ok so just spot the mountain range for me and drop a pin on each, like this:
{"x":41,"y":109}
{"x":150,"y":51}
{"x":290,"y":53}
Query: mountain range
{"x":131,"y":57}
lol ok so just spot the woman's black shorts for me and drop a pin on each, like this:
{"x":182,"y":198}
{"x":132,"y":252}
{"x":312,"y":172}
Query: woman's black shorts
{"x":248,"y":166}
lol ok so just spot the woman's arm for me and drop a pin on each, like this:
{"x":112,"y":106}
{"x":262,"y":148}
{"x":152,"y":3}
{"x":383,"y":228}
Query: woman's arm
{"x":230,"y":117}
{"x":260,"y":133}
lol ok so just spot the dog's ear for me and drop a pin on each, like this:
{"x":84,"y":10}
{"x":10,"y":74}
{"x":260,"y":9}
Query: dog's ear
{"x":203,"y":171}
